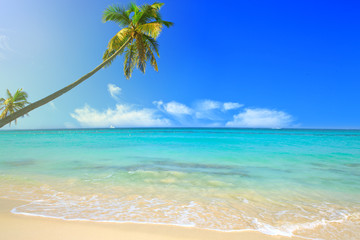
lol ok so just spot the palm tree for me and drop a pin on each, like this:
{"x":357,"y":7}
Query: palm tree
{"x":141,"y":27}
{"x":13,"y":103}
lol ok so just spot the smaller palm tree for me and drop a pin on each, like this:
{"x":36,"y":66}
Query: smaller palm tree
{"x":13,"y":103}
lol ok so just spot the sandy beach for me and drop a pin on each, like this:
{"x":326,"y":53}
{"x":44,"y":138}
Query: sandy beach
{"x":15,"y":226}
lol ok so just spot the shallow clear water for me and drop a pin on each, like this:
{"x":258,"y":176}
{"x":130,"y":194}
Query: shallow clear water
{"x":280,"y":182}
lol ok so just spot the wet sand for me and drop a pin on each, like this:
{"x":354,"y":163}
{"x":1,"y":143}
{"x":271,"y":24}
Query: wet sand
{"x":13,"y":227}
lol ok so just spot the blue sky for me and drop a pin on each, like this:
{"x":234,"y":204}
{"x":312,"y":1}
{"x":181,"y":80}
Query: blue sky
{"x":237,"y":64}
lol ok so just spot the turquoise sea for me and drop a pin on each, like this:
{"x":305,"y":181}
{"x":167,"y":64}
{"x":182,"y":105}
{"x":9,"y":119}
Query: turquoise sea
{"x":281,"y":182}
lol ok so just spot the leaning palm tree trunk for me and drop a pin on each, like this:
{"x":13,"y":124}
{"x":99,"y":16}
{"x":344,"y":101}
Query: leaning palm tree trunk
{"x":57,"y":94}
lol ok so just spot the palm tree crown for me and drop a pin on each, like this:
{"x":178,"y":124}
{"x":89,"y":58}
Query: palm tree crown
{"x":13,"y":103}
{"x":140,"y":28}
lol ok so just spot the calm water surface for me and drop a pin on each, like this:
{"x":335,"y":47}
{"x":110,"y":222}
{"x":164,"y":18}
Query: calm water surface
{"x":281,"y":182}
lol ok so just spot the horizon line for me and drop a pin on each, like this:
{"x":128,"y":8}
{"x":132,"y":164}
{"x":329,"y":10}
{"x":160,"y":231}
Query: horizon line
{"x":125,"y":128}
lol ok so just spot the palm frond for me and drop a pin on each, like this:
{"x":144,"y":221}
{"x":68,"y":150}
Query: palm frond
{"x":130,"y":60}
{"x":152,"y":29}
{"x":133,"y":8}
{"x":119,"y":39}
{"x":153,"y":44}
{"x":106,"y":55}
{"x":20,"y":104}
{"x":8,"y":93}
{"x":4,"y":113}
{"x":141,"y":14}
{"x":116,"y":14}
{"x":150,"y":56}
{"x":166,"y":23}
{"x":17,"y":95}
{"x":150,"y":52}
{"x":13,"y":103}
{"x":142,"y":65}
{"x":157,"y":5}
{"x":141,"y":51}
{"x":115,"y":43}
{"x":147,"y":14}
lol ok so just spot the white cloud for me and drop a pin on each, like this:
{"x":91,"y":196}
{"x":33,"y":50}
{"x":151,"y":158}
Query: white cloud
{"x":231,"y":105}
{"x":204,"y":113}
{"x":4,"y":46}
{"x":114,"y":90}
{"x":4,"y":43}
{"x":52,"y":105}
{"x":177,"y":108}
{"x":208,"y":109}
{"x":122,"y":116}
{"x":211,"y":110}
{"x":173,"y":108}
{"x":206,"y":105}
{"x":181,"y":114}
{"x":158,"y":104}
{"x":260,"y":117}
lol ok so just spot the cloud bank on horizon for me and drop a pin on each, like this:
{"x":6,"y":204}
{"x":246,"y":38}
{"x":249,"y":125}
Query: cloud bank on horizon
{"x":123,"y":115}
{"x":203,"y":113}
{"x":261,"y":118}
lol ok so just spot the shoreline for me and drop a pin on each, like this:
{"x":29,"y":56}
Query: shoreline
{"x":19,"y":226}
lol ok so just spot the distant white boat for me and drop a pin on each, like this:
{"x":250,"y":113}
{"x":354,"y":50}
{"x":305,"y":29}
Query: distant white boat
{"x":111,"y":126}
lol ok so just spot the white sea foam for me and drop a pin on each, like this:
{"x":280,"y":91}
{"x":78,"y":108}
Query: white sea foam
{"x":159,"y":211}
{"x":262,"y":227}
